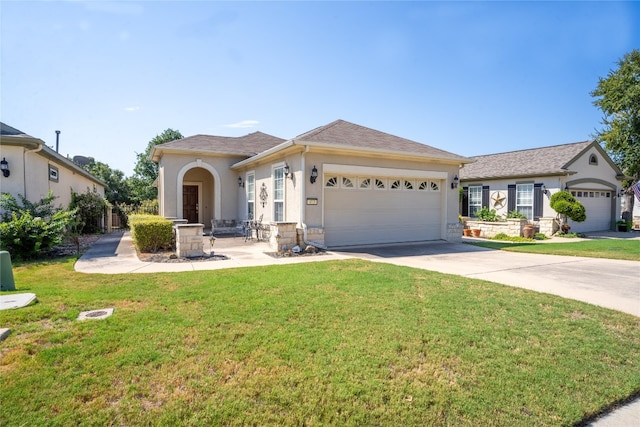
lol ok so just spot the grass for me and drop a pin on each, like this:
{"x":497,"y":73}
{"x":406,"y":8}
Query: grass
{"x":326,"y":343}
{"x":600,"y":248}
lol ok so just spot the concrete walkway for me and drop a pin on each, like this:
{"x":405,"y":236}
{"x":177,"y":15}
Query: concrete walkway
{"x":608,"y":283}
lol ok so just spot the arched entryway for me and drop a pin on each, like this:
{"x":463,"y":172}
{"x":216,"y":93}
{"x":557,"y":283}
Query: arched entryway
{"x":198,"y":195}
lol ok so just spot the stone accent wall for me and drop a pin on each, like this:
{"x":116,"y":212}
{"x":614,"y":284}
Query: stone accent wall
{"x":548,"y":226}
{"x":314,"y":234}
{"x":510,"y":227}
{"x":454,"y":232}
{"x":283,"y":234}
{"x":189,"y":241}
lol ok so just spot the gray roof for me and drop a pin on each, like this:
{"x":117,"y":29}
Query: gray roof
{"x":343,"y":133}
{"x":554,"y":160}
{"x":6,"y":130}
{"x":247,"y":145}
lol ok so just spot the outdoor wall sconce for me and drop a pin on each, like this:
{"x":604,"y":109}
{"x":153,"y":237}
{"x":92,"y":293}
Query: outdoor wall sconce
{"x":287,"y":171}
{"x":240,"y":182}
{"x":566,"y":187}
{"x":544,"y":189}
{"x":4,"y":165}
{"x":314,"y":174}
{"x":454,"y":184}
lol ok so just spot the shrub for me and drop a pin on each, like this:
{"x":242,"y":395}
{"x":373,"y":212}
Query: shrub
{"x":505,"y":237}
{"x":540,"y":236}
{"x":151,"y":232}
{"x":90,"y":207}
{"x":30,"y":229}
{"x":515,"y":214}
{"x":567,"y":206}
{"x":485,"y":214}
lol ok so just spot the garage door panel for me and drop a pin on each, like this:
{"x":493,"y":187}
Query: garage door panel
{"x":355,"y":217}
{"x":598,"y":210}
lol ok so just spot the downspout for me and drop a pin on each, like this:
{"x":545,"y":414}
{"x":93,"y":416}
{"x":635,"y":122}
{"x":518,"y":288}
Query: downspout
{"x":303,"y":202}
{"x":24,"y":166}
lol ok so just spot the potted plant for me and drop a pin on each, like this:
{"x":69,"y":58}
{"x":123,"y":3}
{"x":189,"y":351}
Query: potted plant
{"x":622,"y":226}
{"x":466,"y":232}
{"x":476,"y":232}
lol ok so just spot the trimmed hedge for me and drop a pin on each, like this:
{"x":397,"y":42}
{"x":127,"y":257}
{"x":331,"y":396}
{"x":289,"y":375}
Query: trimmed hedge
{"x":151,"y":232}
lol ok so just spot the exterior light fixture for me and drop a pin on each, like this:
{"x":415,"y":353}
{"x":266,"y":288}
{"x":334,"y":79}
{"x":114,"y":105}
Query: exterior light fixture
{"x":544,"y":189}
{"x":454,"y":184}
{"x":566,"y":187}
{"x":4,"y":165}
{"x":240,"y":182}
{"x":314,"y":174}
{"x":287,"y":171}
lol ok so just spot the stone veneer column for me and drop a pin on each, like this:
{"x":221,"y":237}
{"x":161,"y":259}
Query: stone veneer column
{"x":287,"y":235}
{"x":454,"y":232}
{"x":189,"y":242}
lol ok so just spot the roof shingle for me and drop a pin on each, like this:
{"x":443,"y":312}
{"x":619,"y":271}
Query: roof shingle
{"x":535,"y":161}
{"x":247,"y":145}
{"x":341,"y":132}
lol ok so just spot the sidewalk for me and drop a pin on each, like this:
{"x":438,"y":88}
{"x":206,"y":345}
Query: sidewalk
{"x":114,"y":254}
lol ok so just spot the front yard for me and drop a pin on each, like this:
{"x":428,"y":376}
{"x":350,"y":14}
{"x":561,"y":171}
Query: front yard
{"x":327,"y":343}
{"x":601,"y":248}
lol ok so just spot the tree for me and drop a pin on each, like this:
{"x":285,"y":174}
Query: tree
{"x":618,"y":96}
{"x":146,"y":171}
{"x":567,"y":207}
{"x":118,"y":189}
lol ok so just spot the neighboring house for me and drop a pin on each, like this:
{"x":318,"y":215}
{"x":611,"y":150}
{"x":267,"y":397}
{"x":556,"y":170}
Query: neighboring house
{"x":35,"y":169}
{"x":340,"y":184}
{"x":525,"y":180}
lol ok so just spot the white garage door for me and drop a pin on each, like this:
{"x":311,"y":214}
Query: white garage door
{"x":597,"y":204}
{"x":370,"y":210}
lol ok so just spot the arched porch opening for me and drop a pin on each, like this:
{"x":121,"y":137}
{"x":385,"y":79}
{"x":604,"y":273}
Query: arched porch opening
{"x":198,"y":195}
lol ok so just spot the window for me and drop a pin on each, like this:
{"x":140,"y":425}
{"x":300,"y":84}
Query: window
{"x":475,"y":199}
{"x":347,"y":183}
{"x":278,"y":194}
{"x":396,"y":185}
{"x":365,"y":183}
{"x":251,"y":195}
{"x":53,"y":173}
{"x":332,"y":182}
{"x":423,"y":185}
{"x":380,"y":184}
{"x":524,"y":200}
{"x":408,"y":185}
{"x":593,"y":160}
{"x":435,"y":186}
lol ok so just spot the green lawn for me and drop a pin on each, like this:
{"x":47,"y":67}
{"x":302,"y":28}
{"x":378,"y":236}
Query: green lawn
{"x":601,"y":248}
{"x":323,"y":343}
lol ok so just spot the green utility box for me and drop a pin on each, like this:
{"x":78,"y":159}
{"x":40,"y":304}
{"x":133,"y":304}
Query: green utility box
{"x":6,"y":272}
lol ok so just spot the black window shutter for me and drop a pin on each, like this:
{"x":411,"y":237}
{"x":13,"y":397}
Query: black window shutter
{"x":537,"y":201}
{"x":511,"y":197}
{"x":465,"y":201}
{"x":485,"y":196}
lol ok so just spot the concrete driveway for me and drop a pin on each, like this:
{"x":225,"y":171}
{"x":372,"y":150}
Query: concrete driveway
{"x":608,"y":283}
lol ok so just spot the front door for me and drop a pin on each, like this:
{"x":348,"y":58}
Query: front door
{"x":190,"y":203}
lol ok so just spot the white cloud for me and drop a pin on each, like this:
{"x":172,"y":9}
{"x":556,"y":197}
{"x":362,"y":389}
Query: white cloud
{"x":243,"y":124}
{"x":131,"y":109}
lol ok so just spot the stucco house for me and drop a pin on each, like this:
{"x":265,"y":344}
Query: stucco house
{"x":32,"y":169}
{"x":340,"y":184}
{"x":525,"y":180}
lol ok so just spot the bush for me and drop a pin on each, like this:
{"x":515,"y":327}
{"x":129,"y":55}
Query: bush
{"x":567,"y":206}
{"x":151,"y":232}
{"x":28,"y":230}
{"x":515,"y":214}
{"x":505,"y":237}
{"x":90,"y":207}
{"x":485,"y":214}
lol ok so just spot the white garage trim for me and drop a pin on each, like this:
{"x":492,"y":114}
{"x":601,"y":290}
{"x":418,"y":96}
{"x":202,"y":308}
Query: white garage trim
{"x":386,"y":172}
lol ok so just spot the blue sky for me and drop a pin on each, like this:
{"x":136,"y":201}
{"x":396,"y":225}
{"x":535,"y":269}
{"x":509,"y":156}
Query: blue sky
{"x":468,"y":77}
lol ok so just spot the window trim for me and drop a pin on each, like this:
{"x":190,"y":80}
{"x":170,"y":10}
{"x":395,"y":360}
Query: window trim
{"x":518,"y":204}
{"x":474,"y":187}
{"x":250,"y":178}
{"x":54,"y":173}
{"x":276,"y":200}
